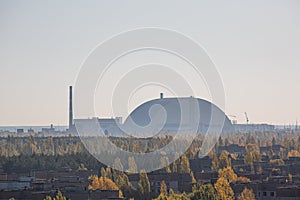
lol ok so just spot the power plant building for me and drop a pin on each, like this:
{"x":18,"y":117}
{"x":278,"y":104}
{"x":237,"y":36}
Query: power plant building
{"x":164,"y":115}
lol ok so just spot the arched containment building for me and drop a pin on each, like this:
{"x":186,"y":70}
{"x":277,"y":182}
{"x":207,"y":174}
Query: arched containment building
{"x":185,"y":114}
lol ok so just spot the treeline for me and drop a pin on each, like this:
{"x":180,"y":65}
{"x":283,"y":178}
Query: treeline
{"x":15,"y":146}
{"x":290,"y":140}
{"x":28,"y":163}
{"x":19,"y":154}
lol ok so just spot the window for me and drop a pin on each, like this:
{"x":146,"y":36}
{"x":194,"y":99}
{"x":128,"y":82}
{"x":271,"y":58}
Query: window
{"x":272,"y":194}
{"x":264,"y":194}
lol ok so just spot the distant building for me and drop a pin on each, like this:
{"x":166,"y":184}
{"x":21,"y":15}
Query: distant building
{"x":49,"y":130}
{"x":181,"y":115}
{"x":30,"y":130}
{"x":251,"y":128}
{"x":20,"y":130}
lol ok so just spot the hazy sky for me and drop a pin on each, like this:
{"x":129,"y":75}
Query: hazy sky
{"x":255,"y":45}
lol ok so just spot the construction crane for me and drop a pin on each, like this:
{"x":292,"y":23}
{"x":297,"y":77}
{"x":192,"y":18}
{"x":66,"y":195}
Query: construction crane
{"x":247,"y":119}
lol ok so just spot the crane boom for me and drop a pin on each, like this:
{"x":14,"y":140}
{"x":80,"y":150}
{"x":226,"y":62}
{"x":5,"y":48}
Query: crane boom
{"x":247,"y":119}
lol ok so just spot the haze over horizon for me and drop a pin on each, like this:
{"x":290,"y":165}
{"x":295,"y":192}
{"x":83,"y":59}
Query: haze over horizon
{"x":255,"y":46}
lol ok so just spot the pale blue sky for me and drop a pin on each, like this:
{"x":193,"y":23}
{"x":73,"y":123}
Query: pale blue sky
{"x":255,"y":45}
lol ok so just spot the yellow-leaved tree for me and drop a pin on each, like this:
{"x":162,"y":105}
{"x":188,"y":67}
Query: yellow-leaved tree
{"x":224,"y":190}
{"x":247,"y":194}
{"x":228,"y":174}
{"x":103,"y":184}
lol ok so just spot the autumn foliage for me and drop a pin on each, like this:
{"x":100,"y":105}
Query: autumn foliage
{"x":102,"y":184}
{"x":247,"y":194}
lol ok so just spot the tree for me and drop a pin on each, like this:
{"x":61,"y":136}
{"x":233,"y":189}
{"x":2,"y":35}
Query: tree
{"x":123,"y":183}
{"x":228,"y":174}
{"x":203,"y":192}
{"x":164,"y":162}
{"x":277,"y":162}
{"x":226,"y":142}
{"x":184,"y":166}
{"x":270,"y":153}
{"x":102,"y":183}
{"x":132,"y":168}
{"x":221,"y":141}
{"x":118,"y":165}
{"x":163,"y":188}
{"x":283,"y":153}
{"x":224,"y":160}
{"x":48,"y":197}
{"x":247,"y":194}
{"x":252,"y":155}
{"x":243,"y":179}
{"x":248,"y":158}
{"x":168,"y":169}
{"x":59,"y":196}
{"x":250,"y":139}
{"x":290,"y":178}
{"x":293,"y":153}
{"x":214,"y":162}
{"x":103,"y":172}
{"x":240,"y":142}
{"x":82,"y":167}
{"x":223,"y":189}
{"x":108,"y":173}
{"x":144,"y":186}
{"x":175,"y":163}
{"x":193,"y":177}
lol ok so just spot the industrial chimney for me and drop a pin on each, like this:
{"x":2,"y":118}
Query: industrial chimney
{"x":70,"y":109}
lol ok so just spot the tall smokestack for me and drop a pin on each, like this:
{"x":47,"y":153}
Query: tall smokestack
{"x":70,"y":109}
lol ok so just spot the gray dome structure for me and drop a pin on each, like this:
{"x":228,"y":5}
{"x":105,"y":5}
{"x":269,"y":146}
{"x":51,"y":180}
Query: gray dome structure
{"x":172,"y":115}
